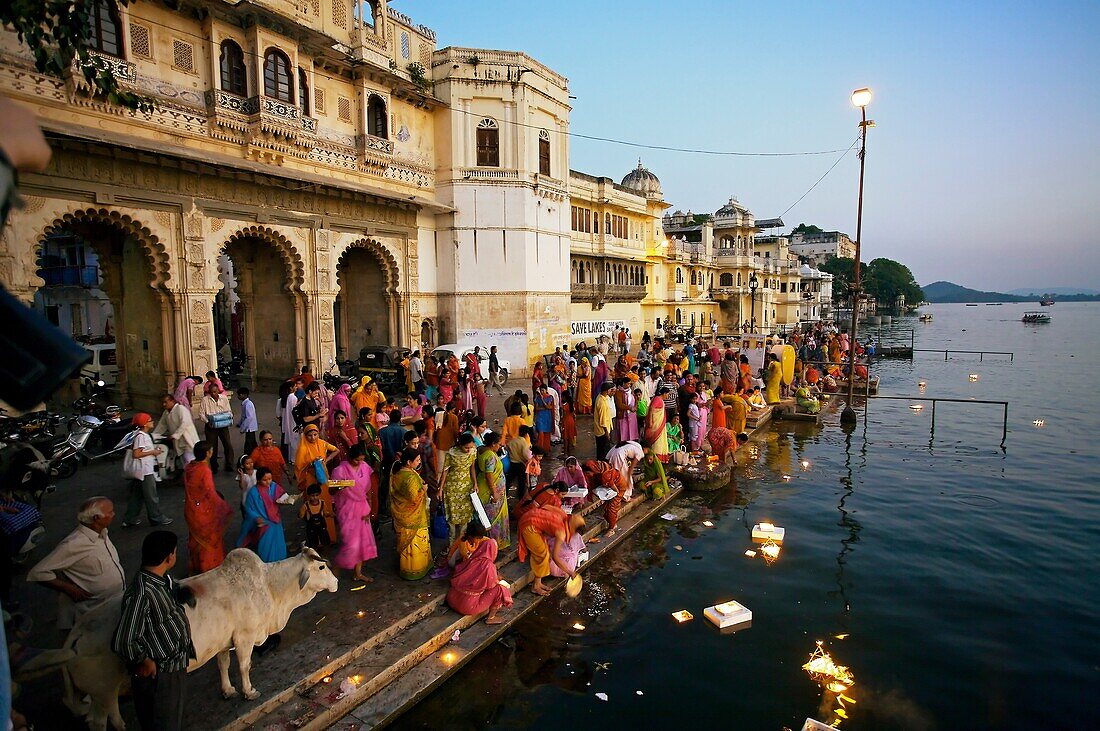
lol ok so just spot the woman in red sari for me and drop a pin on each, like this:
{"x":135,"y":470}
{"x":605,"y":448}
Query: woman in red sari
{"x":206,"y":513}
{"x":475,"y":583}
{"x":602,"y":474}
{"x":568,"y":424}
{"x":538,"y":376}
{"x":343,"y":436}
{"x":268,"y":455}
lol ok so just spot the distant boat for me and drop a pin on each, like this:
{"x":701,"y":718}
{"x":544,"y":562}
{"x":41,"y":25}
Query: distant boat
{"x":926,"y":317}
{"x":1047,"y":302}
{"x":972,"y":305}
{"x":993,"y":304}
{"x":1035,"y":317}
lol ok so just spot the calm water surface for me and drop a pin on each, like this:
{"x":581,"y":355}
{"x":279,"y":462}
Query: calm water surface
{"x":964,"y":574}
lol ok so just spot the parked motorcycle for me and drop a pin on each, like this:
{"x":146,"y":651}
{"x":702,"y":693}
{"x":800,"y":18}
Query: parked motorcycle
{"x":25,"y":472}
{"x":339,"y":373}
{"x":77,"y":449}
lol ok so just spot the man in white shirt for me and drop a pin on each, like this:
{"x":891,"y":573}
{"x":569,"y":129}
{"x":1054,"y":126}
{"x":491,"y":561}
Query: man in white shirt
{"x":176,"y":424}
{"x":84,"y":568}
{"x":416,"y":372}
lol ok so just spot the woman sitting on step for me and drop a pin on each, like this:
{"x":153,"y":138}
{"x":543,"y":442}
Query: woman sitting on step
{"x":475,"y":583}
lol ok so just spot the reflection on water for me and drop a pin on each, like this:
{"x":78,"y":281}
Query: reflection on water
{"x":955,"y":578}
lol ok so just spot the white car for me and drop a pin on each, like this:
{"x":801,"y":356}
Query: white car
{"x":102,"y":367}
{"x":459,"y":350}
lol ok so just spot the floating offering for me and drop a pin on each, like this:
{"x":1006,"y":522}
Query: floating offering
{"x":360,"y":614}
{"x":916,"y":407}
{"x":750,"y":553}
{"x":602,"y":696}
{"x":683,"y":616}
{"x":921,"y":384}
{"x":805,"y":464}
{"x":668,"y":516}
{"x":578,"y":626}
{"x":728,"y":614}
{"x":1038,"y":422}
{"x":708,"y":524}
{"x":974,"y":376}
{"x":767,"y":532}
{"x":825,"y":671}
{"x":786,"y":478}
{"x":573,"y":586}
{"x":448,"y":657}
{"x":771,"y":551}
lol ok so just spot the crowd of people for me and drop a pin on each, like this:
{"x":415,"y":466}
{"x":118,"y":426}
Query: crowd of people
{"x":428,"y":464}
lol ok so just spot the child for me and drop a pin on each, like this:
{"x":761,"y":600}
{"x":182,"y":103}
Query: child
{"x":246,"y":477}
{"x":675,"y":433}
{"x":314,"y":513}
{"x":247,"y":424}
{"x":534,"y":469}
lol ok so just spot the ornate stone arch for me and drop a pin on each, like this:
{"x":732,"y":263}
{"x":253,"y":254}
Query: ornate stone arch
{"x":295,"y":266}
{"x":155,"y":251}
{"x":391,"y":271}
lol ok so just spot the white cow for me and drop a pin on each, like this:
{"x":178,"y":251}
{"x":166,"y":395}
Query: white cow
{"x":236,"y":607}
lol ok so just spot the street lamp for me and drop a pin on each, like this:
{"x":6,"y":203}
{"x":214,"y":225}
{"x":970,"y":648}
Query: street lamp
{"x":860,"y":98}
{"x":753,"y":284}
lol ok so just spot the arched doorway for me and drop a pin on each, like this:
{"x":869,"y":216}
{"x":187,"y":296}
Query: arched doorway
{"x":256,"y":311}
{"x":103,"y":281}
{"x":364,"y":311}
{"x":427,"y":335}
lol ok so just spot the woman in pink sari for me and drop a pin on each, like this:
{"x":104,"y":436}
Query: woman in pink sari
{"x":475,"y":584}
{"x":655,"y":436}
{"x":353,"y":511}
{"x":341,"y":401}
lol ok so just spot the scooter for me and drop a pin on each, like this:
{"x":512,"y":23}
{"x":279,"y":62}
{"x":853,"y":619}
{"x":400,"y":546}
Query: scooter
{"x":74,"y":451}
{"x":25,"y":472}
{"x":339,"y":373}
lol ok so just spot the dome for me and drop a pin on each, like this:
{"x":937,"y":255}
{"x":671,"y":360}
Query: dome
{"x":732,"y":208}
{"x":642,"y":182}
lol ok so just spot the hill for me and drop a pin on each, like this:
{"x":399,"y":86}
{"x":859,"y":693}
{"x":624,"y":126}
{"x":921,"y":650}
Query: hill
{"x":950,"y":292}
{"x":1058,"y":291}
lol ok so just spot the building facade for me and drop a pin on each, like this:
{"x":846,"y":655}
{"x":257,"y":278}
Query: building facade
{"x":817,"y":248}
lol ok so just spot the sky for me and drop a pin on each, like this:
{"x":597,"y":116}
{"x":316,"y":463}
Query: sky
{"x":984,"y":164}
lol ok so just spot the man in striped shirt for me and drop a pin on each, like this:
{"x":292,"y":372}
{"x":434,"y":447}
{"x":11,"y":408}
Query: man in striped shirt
{"x":153,"y":637}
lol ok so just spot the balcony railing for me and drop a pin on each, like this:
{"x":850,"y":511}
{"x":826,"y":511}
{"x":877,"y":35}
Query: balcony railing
{"x":70,"y":276}
{"x":599,"y":293}
{"x":499,"y":174}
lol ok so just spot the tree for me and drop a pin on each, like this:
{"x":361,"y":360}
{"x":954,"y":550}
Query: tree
{"x":843,"y":270}
{"x":888,"y":279}
{"x":58,"y":33}
{"x":803,"y":228}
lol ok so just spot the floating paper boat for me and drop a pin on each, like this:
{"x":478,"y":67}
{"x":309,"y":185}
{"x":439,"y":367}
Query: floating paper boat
{"x":728,"y":615}
{"x":768,"y":532}
{"x":683,"y":616}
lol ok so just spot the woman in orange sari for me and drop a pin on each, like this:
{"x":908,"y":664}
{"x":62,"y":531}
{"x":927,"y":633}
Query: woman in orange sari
{"x":568,"y":424}
{"x":718,"y":410}
{"x":206,"y":513}
{"x":310,"y":464}
{"x":602,"y":474}
{"x":447,"y":435}
{"x":268,"y":455}
{"x":584,"y":387}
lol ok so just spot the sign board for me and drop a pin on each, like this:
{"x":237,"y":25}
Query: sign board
{"x":511,"y":343}
{"x":753,"y":345}
{"x":581,"y":329}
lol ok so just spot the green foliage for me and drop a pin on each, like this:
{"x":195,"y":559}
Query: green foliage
{"x":803,"y":228}
{"x":58,"y":33}
{"x":418,"y":75}
{"x":890,"y":279}
{"x":883,"y":279}
{"x":700,"y":218}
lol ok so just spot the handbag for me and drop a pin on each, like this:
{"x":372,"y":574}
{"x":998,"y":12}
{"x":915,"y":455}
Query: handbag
{"x":319,"y":470}
{"x":679,"y":457}
{"x":440,"y":527}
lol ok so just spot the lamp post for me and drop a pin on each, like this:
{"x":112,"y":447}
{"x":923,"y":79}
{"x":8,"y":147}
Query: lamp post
{"x":860,"y":98}
{"x":753,"y":284}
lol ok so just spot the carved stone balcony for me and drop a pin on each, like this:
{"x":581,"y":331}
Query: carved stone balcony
{"x":601,"y":294}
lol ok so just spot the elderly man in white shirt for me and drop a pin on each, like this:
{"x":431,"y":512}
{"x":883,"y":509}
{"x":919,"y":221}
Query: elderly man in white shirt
{"x":624,"y":458}
{"x":84,"y":568}
{"x":177,"y":424}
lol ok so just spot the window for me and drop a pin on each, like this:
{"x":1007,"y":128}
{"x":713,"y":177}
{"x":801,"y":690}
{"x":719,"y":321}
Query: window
{"x":183,"y":56}
{"x":738,"y":279}
{"x":679,"y":280}
{"x":277,"y":84}
{"x":587,"y":221}
{"x":104,"y":34}
{"x":364,"y":12}
{"x":693,"y":277}
{"x":679,"y":315}
{"x":377,"y":117}
{"x":140,"y":42}
{"x":544,"y":152}
{"x":725,"y":280}
{"x":234,"y":79}
{"x":319,"y":100}
{"x":343,"y":108}
{"x":607,"y":223}
{"x":488,"y":143}
{"x":303,"y":92}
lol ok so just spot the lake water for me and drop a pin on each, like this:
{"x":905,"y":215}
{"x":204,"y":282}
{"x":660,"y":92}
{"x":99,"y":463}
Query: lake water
{"x":963,"y":573}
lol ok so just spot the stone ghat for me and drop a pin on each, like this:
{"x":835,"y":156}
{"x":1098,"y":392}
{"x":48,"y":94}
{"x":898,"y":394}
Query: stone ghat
{"x":404,"y":661}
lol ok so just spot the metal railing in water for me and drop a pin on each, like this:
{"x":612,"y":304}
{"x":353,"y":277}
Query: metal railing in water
{"x":936,"y":399}
{"x":980,"y":353}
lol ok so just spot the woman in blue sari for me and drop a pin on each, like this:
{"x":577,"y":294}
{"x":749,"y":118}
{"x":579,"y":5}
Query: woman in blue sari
{"x":262,"y":529}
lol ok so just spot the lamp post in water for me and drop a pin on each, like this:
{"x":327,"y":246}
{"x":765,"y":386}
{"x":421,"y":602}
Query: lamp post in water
{"x":861,"y":98}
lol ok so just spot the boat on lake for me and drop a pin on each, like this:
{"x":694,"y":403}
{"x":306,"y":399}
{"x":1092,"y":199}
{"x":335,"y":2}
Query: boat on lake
{"x":926,"y":317}
{"x":1047,"y":302}
{"x":1033,"y":317}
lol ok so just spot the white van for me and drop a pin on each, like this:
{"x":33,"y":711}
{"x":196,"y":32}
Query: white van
{"x":102,"y":367}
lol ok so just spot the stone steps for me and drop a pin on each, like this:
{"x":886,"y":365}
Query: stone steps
{"x":402,"y":663}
